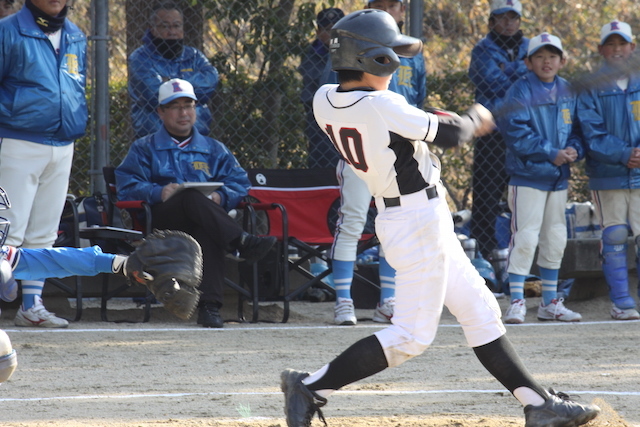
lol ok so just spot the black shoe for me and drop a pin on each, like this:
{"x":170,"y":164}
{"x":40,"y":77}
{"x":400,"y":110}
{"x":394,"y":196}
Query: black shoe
{"x":253,"y":248}
{"x":209,"y":316}
{"x":300,"y":403}
{"x":559,"y":411}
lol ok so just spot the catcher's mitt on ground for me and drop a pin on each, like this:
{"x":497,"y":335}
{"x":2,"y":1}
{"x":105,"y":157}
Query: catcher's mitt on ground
{"x":169,"y":263}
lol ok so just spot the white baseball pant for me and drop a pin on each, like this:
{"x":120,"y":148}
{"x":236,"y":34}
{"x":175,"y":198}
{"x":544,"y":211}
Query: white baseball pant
{"x":432,"y":270}
{"x":36,"y":179}
{"x":537,"y":221}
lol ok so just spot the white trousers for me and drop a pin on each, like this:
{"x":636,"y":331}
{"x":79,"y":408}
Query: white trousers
{"x":36,"y":179}
{"x":618,"y":207}
{"x":432,"y":270}
{"x":537,"y":220}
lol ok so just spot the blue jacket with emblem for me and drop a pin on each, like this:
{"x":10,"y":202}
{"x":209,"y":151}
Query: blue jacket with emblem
{"x":148,"y":69}
{"x":409,"y":80}
{"x":493,"y":72}
{"x":156,"y":160}
{"x":42,"y":94}
{"x":535,"y":129}
{"x":610,"y":121}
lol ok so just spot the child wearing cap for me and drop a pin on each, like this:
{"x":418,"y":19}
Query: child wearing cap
{"x":542,"y":140}
{"x":610,"y":121}
{"x":497,"y":61}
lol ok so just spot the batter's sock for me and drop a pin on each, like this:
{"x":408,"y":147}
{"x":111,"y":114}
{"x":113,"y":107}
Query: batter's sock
{"x":516,"y":286}
{"x":361,"y":360}
{"x":387,"y":280}
{"x":31,"y":289}
{"x":549,"y":285}
{"x":501,"y":360}
{"x":342,"y":277}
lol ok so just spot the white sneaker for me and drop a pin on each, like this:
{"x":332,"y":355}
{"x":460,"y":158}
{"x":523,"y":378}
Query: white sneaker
{"x":516,"y":312}
{"x":344,"y":312}
{"x":556,"y":310}
{"x":624,"y":313}
{"x":383,"y":313}
{"x":38,"y":316}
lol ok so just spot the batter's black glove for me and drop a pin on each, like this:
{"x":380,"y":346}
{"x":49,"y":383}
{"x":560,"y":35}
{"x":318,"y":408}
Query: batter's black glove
{"x":169,"y":263}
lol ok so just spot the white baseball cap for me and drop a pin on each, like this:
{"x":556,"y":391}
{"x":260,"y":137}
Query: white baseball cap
{"x":544,"y":39}
{"x":616,"y":27}
{"x":174,"y":89}
{"x":498,"y":7}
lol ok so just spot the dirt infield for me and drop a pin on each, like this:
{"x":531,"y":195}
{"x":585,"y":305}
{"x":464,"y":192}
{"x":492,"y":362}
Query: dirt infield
{"x":174,"y":373}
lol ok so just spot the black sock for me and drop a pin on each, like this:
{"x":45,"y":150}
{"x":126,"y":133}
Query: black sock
{"x":361,"y":360}
{"x":501,"y":360}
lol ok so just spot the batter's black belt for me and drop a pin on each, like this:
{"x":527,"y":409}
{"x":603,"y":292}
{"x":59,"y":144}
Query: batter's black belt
{"x":390,"y":202}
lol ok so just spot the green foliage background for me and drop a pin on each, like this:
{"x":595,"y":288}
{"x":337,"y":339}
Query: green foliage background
{"x":256,"y":47}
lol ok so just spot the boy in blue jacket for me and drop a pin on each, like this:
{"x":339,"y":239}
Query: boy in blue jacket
{"x":610,"y":121}
{"x":542,"y":140}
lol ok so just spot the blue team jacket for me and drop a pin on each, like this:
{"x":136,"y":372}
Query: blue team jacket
{"x":42,"y":95}
{"x":492,"y":72}
{"x":535,"y":129}
{"x":155,"y":160}
{"x":409,"y":80}
{"x":610,"y":121}
{"x":148,"y":70}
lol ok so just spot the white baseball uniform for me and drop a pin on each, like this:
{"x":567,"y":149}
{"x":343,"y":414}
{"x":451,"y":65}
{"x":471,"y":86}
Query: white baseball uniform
{"x":383,"y":138}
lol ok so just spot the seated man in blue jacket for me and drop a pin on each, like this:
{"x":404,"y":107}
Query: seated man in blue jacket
{"x":164,"y":56}
{"x":157,"y":163}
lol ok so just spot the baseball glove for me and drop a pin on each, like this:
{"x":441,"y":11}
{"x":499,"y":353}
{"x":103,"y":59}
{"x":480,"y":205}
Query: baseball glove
{"x":532,"y":287}
{"x":169,"y":264}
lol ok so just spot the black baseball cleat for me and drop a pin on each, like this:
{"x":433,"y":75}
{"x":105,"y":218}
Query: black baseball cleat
{"x":209,"y":316}
{"x":559,"y":411}
{"x":253,"y":248}
{"x":300,"y":403}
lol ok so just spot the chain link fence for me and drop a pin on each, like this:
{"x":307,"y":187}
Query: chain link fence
{"x":256,"y":47}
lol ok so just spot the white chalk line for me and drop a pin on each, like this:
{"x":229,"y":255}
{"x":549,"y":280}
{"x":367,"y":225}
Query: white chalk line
{"x":243,"y":327}
{"x":350,"y":392}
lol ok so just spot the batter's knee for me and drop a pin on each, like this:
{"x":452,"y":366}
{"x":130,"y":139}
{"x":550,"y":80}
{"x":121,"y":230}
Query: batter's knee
{"x":400,"y":346}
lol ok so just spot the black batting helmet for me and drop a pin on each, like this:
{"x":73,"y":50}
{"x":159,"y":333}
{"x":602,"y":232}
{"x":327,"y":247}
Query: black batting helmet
{"x":369,"y":40}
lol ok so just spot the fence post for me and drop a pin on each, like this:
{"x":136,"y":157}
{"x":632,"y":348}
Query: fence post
{"x":416,"y":12}
{"x":100,"y":39}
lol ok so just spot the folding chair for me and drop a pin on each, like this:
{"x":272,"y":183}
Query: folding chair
{"x":299,"y":207}
{"x":124,"y":223}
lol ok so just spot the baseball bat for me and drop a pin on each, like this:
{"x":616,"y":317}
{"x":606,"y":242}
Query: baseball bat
{"x":583,"y":83}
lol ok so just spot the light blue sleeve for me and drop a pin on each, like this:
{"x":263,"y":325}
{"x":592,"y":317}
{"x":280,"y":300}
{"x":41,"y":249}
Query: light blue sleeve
{"x":38,"y":264}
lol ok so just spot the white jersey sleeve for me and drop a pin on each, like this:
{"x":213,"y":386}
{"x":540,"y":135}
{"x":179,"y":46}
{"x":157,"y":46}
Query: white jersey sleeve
{"x":382,"y":138}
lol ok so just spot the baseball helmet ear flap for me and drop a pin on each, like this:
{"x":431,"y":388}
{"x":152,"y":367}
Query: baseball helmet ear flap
{"x":379,"y":61}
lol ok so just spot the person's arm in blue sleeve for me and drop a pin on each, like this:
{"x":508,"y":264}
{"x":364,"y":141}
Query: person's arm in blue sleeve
{"x":518,"y":132}
{"x":576,"y":140}
{"x":133,"y":176}
{"x":236,"y":182}
{"x":144,"y":81}
{"x":601,"y":145}
{"x":203,"y":77}
{"x":488,"y":74}
{"x":62,"y":262}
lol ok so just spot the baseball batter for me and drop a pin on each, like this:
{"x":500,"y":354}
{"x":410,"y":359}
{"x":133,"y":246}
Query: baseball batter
{"x":384,"y":139}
